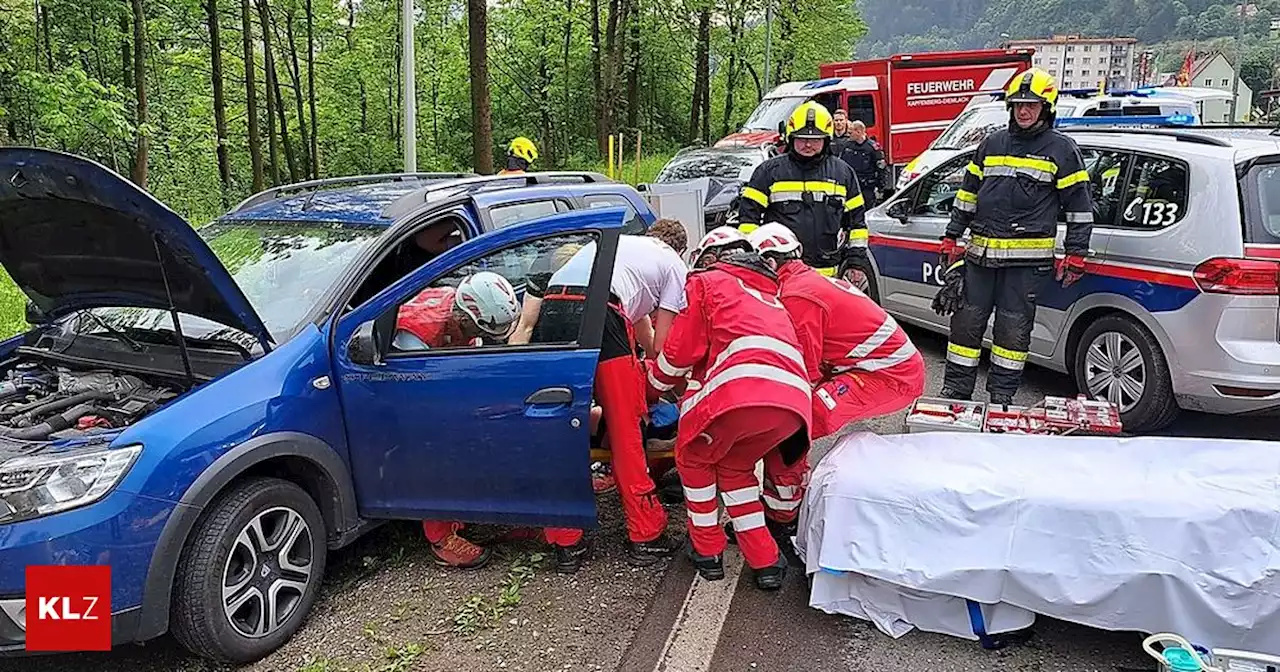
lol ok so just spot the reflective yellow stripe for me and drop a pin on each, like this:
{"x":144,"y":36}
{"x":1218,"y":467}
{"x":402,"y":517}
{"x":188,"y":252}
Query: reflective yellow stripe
{"x":963,"y":351}
{"x":1012,"y":243}
{"x":857,"y":234}
{"x":975,"y":170}
{"x":829,"y":271}
{"x":1009,"y":354}
{"x":855,"y":202}
{"x":1021,"y":162}
{"x":756,"y":195}
{"x":966,"y":196}
{"x":748,"y":228}
{"x":1073,"y":179}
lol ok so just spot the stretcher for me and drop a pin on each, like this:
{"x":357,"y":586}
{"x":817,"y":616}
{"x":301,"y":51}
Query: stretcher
{"x":659,"y":439}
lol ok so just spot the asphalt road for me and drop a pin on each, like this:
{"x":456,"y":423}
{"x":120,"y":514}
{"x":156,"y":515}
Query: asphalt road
{"x":387,"y":608}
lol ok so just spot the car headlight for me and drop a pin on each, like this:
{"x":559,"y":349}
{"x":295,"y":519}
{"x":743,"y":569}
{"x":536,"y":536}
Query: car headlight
{"x":39,"y":485}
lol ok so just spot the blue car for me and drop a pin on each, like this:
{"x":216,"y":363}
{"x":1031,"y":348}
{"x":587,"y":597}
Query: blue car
{"x":210,"y":412}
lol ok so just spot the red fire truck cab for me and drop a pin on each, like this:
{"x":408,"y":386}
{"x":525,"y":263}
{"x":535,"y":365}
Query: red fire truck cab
{"x":908,"y":98}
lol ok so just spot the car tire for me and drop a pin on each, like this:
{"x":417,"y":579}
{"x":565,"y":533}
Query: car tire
{"x":1110,"y":342}
{"x":264,"y":535}
{"x":872,"y":289}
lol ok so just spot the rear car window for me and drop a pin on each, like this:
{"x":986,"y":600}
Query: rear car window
{"x":506,"y":215}
{"x":632,"y":224}
{"x":1262,"y":191}
{"x":1156,"y":193}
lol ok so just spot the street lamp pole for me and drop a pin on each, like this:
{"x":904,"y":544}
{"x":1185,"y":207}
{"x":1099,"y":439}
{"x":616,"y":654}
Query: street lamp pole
{"x":410,"y":130}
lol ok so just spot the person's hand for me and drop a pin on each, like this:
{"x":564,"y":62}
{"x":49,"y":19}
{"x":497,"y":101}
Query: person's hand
{"x":949,"y":253}
{"x":1070,"y":269}
{"x":858,"y":278}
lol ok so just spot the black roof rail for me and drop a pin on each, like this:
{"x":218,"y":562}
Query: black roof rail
{"x":412,"y":200}
{"x":316,"y":185}
{"x":1182,"y":136}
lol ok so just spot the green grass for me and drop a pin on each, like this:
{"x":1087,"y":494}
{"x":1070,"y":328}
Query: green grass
{"x":649,"y":167}
{"x":12,"y":307}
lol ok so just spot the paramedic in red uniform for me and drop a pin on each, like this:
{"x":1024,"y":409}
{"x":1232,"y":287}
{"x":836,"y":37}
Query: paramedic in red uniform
{"x":483,"y":306}
{"x":752,"y":398}
{"x":860,"y":362}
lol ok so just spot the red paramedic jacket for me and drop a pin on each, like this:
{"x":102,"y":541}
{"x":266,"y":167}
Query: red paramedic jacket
{"x":841,"y":329}
{"x":429,"y":316}
{"x":735,"y":342}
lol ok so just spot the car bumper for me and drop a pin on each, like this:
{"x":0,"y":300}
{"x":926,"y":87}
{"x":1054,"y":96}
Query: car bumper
{"x":119,"y":531}
{"x":1232,"y":368}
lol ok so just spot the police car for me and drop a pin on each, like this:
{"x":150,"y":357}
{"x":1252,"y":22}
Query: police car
{"x":1181,"y":305}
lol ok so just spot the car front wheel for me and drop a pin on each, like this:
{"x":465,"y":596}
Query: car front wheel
{"x":1119,"y":361}
{"x":250,"y":572}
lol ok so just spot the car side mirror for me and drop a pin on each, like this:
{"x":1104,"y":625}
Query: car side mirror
{"x":363,"y":347}
{"x":899,"y":210}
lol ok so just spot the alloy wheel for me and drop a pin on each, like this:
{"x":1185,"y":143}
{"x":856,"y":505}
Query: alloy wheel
{"x":1115,"y":370}
{"x":267,"y":572}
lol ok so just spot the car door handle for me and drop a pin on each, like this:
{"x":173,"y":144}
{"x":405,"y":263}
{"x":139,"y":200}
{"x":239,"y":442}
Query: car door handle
{"x":550,"y":396}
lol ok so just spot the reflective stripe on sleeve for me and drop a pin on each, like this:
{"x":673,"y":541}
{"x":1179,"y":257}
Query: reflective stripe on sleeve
{"x":902,"y":354}
{"x":858,"y":237}
{"x":966,"y":196}
{"x":658,"y":384}
{"x":855,"y":202}
{"x":964,"y":356}
{"x":673,"y":371}
{"x":1073,"y":179}
{"x":875,"y":340}
{"x":756,"y":195}
{"x":974,"y":170}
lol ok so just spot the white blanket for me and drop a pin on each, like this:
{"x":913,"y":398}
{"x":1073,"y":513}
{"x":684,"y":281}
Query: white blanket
{"x":1148,"y":534}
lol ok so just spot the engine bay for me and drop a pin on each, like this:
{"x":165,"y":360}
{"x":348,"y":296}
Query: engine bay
{"x":44,"y":402}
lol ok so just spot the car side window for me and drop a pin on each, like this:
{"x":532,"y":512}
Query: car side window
{"x":937,"y":191}
{"x":1155,"y":195}
{"x":441,"y":316}
{"x":632,"y":224}
{"x":1108,"y":171}
{"x":506,"y":215}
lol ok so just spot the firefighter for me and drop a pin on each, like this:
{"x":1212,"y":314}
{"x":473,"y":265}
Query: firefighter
{"x":860,"y":362}
{"x":811,"y":192}
{"x":1021,"y":182}
{"x":521,"y":153}
{"x":735,"y":342}
{"x":865,"y":156}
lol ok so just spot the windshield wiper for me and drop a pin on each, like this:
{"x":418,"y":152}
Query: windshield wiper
{"x":225,"y":337}
{"x":123,"y":337}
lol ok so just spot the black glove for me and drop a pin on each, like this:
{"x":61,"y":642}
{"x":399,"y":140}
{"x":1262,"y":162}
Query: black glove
{"x":950,"y":298}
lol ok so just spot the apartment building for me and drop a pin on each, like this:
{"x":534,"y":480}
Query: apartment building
{"x":1080,"y":62}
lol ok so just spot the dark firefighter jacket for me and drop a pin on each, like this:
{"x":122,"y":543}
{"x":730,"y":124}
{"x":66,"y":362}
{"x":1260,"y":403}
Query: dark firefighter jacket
{"x":1015,"y":191}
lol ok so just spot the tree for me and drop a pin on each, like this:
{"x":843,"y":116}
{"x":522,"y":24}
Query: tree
{"x":251,"y":96}
{"x":139,"y":174}
{"x":219,"y":100}
{"x":481,"y":110}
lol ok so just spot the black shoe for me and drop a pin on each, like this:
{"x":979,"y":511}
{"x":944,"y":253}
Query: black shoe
{"x":645,"y":553}
{"x":569,"y":559}
{"x":710,"y":568}
{"x":1001,"y":400}
{"x":955,"y":395}
{"x":770,"y":578}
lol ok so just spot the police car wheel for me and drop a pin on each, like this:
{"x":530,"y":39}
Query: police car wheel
{"x":1118,"y":360}
{"x":250,"y":571}
{"x":869,"y":287}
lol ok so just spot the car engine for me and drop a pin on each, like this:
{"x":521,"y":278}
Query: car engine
{"x":42,"y":403}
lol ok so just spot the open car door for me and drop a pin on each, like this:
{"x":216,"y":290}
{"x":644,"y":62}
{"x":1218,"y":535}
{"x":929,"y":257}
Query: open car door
{"x":488,"y":433}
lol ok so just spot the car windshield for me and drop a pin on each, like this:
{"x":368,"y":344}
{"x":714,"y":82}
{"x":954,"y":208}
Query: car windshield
{"x":971,"y":127}
{"x":694,"y":165}
{"x":282,"y":268}
{"x":772,"y":112}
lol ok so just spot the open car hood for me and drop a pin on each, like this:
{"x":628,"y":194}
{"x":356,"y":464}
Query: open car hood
{"x":74,"y":235}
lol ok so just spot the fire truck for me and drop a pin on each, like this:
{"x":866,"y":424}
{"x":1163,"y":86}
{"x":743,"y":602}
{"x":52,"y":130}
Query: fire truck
{"x":905,"y":100}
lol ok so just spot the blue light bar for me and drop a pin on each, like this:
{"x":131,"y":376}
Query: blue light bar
{"x":1148,"y":120}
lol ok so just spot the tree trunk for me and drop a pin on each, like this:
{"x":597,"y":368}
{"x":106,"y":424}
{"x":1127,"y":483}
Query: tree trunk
{"x":550,"y":146}
{"x":633,"y":72}
{"x":48,"y":40}
{"x":597,"y":85}
{"x":295,"y":72}
{"x":614,"y":26}
{"x":568,"y":71}
{"x":219,"y":100}
{"x":273,"y":89}
{"x":481,"y":114}
{"x":126,"y":56}
{"x":311,"y":91}
{"x":251,"y":96}
{"x":731,"y":74}
{"x":140,"y":83}
{"x":701,"y":74}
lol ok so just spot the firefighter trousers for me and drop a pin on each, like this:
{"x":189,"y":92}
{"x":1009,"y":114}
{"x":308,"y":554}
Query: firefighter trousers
{"x":722,"y":461}
{"x":1011,"y":291}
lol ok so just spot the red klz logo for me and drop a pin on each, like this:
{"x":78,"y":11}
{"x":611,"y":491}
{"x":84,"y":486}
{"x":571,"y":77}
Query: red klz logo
{"x":68,"y":608}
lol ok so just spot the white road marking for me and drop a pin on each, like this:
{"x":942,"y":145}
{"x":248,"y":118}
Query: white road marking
{"x":696,"y":630}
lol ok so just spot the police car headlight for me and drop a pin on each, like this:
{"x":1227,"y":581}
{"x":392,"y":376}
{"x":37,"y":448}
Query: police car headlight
{"x":39,"y":485}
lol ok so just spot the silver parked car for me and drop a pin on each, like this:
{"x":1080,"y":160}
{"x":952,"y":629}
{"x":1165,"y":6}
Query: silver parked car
{"x":1181,"y":306}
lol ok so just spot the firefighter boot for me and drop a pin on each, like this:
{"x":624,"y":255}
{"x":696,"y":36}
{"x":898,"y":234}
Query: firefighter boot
{"x":454,"y":551}
{"x":770,"y":578}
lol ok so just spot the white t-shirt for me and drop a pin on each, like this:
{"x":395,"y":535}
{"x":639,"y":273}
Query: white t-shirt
{"x":647,"y":274}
